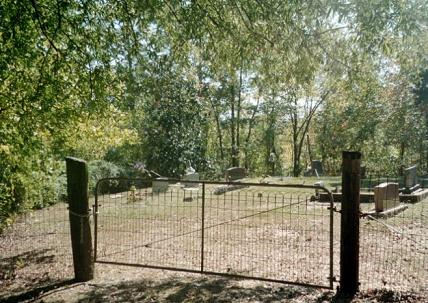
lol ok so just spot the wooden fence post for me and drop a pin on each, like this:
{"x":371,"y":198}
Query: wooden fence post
{"x":79,"y":212}
{"x":350,"y":223}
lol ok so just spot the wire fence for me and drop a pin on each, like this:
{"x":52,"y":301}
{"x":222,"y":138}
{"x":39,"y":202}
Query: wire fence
{"x":255,"y":231}
{"x":394,"y":247}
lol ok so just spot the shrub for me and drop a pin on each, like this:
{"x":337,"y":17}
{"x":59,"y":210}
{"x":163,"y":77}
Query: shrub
{"x":99,"y":169}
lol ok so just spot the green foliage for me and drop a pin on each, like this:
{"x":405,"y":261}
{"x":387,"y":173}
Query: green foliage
{"x":99,"y":169}
{"x":174,"y":129}
{"x":166,"y":82}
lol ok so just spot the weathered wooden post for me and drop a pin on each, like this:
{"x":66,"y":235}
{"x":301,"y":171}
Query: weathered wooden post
{"x":350,"y":223}
{"x":79,"y":212}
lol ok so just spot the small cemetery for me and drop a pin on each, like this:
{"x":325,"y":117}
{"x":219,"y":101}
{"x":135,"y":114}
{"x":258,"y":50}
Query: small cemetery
{"x":386,"y":196}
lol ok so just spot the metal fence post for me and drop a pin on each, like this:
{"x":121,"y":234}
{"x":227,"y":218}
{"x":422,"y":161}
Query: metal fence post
{"x":350,"y":223}
{"x":79,"y":212}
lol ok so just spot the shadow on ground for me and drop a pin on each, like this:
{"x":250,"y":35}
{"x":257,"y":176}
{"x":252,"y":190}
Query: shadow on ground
{"x":9,"y":266}
{"x":204,"y":289}
{"x":222,"y":290}
{"x":28,"y":274}
{"x":194,"y":290}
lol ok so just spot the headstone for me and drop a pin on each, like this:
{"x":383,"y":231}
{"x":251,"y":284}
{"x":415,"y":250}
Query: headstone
{"x":191,"y":177}
{"x":235,"y":173}
{"x":318,"y":184}
{"x":386,"y":196}
{"x":160,"y":185}
{"x":316,"y":166}
{"x":410,"y":176}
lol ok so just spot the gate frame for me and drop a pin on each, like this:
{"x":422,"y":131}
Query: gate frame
{"x":331,"y":209}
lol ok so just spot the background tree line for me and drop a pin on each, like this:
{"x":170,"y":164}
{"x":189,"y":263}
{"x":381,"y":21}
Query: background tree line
{"x":216,"y":83}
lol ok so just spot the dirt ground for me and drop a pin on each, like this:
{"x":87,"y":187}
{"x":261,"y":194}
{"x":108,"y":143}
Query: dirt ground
{"x":285,"y":243}
{"x":124,"y":284}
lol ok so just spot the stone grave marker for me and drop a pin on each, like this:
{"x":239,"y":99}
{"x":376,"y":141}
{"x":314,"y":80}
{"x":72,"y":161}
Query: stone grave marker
{"x":235,"y":173}
{"x":191,"y":175}
{"x":386,"y":196}
{"x":318,"y":184}
{"x":411,"y":180}
{"x":410,"y":176}
{"x":316,"y":165}
{"x":160,"y":185}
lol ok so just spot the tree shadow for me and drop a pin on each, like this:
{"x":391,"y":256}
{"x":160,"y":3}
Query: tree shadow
{"x":28,"y":274}
{"x":193,"y":290}
{"x":36,"y":293}
{"x":9,"y":266}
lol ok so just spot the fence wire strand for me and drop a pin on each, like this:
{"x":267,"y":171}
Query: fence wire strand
{"x":254,"y":231}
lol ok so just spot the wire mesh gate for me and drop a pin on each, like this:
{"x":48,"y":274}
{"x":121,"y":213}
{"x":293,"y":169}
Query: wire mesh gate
{"x":266,"y":232}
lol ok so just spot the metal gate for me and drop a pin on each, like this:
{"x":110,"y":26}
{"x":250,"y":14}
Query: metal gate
{"x":268,"y":232}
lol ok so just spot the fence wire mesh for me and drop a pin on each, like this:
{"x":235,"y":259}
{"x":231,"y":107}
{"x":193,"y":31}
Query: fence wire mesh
{"x":394,"y":247}
{"x":254,"y":231}
{"x":38,"y":241}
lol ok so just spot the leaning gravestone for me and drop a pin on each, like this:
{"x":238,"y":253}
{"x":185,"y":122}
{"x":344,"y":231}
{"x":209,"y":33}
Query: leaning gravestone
{"x":316,"y":165}
{"x":235,"y":173}
{"x":160,"y":185}
{"x":386,"y":196}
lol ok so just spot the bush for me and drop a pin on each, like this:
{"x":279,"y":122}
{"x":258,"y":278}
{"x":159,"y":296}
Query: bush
{"x":27,"y":184}
{"x":100,"y":169}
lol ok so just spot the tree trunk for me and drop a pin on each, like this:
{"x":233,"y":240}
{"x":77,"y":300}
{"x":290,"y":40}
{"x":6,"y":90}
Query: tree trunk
{"x":250,"y":129}
{"x":219,"y":132}
{"x":238,"y":122}
{"x":232,"y":127}
{"x":296,"y":156}
{"x":401,"y":167}
{"x":309,"y":149}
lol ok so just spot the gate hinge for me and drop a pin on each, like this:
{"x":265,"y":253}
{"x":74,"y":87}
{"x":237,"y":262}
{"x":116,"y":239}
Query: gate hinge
{"x":95,"y":209}
{"x":334,"y":209}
